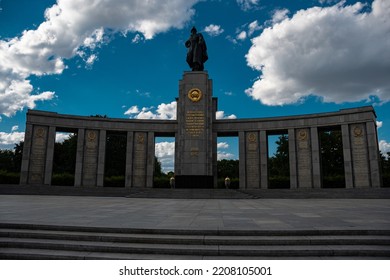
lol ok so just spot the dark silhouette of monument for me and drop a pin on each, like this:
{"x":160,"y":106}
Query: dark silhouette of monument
{"x":197,"y":50}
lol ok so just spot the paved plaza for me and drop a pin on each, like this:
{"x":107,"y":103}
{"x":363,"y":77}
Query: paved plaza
{"x":202,"y":214}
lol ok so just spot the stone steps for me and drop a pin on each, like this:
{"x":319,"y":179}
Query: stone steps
{"x":56,"y":242}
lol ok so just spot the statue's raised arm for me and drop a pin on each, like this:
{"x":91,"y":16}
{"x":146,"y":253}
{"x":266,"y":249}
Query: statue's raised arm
{"x":197,"y":51}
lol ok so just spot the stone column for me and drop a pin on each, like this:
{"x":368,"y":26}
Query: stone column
{"x":242,"y":159}
{"x":51,"y":139}
{"x":252,"y":160}
{"x":348,"y":172}
{"x":38,"y":155}
{"x":360,"y":157}
{"x":139,"y":160}
{"x":129,"y":159}
{"x":316,"y":159}
{"x":101,"y":158}
{"x":264,"y":159}
{"x":292,"y":155}
{"x":373,"y":154}
{"x":150,"y":160}
{"x":79,"y":157}
{"x":24,"y":170}
{"x":90,"y":159}
{"x":304,"y":158}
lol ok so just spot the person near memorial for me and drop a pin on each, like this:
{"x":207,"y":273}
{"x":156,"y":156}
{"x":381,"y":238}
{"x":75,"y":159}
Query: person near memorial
{"x":227,"y":182}
{"x":172,"y":181}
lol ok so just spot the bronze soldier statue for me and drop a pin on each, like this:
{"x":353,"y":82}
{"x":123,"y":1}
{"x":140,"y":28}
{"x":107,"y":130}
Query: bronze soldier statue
{"x":197,"y":51}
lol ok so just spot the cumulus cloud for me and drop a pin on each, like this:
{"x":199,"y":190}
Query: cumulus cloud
{"x":165,"y":152}
{"x":379,"y":124}
{"x":224,"y":155}
{"x":163,"y":112}
{"x":7,"y":140}
{"x":219,"y":115}
{"x":248,"y":4}
{"x":279,"y":16}
{"x":76,"y":27}
{"x":384,"y":147}
{"x":213,"y":30}
{"x":222,"y":145}
{"x":339,"y":53}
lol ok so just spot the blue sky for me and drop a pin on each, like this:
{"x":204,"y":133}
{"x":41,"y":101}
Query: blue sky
{"x":124,"y":58}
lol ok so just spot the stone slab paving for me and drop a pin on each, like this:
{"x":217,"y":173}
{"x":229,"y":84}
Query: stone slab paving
{"x":202,"y":214}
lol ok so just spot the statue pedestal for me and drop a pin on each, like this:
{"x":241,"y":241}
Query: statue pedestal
{"x":196,"y":151}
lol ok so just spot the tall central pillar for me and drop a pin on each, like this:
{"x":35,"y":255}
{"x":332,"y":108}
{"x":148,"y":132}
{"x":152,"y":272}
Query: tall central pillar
{"x":195,"y":147}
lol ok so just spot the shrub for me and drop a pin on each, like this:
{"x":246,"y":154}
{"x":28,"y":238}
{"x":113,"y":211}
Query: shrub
{"x":336,"y":181}
{"x":114,"y":181}
{"x":62,"y":179}
{"x":9,"y":177}
{"x":161,"y":182}
{"x":279,"y":182}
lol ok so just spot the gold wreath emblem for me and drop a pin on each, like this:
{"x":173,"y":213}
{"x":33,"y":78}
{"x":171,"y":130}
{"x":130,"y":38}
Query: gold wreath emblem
{"x":195,"y":94}
{"x":252,"y":137}
{"x":40,"y":132}
{"x":91,"y":136}
{"x":358,"y":131}
{"x":302,"y":135}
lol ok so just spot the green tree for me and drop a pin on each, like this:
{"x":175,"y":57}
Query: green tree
{"x":278,"y":164}
{"x":228,"y":168}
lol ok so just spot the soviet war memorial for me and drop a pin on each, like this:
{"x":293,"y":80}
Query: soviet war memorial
{"x":305,"y":182}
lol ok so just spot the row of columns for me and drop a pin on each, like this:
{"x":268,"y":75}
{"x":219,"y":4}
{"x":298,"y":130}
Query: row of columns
{"x":38,"y":153}
{"x":360,"y":152}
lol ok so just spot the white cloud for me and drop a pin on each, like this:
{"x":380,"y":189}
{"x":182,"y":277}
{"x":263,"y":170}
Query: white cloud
{"x":225,"y":155}
{"x":242,"y":35}
{"x":132,"y":110}
{"x":222,"y":145}
{"x":213,"y":30}
{"x":384,"y":147}
{"x":219,"y":115}
{"x":253,"y":27}
{"x":73,"y":28}
{"x":10,"y":139}
{"x":15,"y":128}
{"x":338,"y":53}
{"x":62,"y":136}
{"x":379,"y":124}
{"x":163,"y":112}
{"x":280,"y":15}
{"x":165,"y":152}
{"x":248,"y":4}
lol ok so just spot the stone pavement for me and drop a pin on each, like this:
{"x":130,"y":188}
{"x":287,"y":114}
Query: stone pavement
{"x":202,"y":214}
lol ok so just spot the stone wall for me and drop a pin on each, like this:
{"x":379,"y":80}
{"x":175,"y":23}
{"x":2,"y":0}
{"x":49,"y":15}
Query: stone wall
{"x":195,"y":132}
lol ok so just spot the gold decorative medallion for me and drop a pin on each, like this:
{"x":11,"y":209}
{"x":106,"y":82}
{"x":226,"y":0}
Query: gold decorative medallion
{"x":91,"y":136}
{"x":302,"y":135}
{"x":357,"y":131}
{"x":40,"y":132}
{"x":195,"y":94}
{"x":140,"y":139}
{"x":252,"y":137}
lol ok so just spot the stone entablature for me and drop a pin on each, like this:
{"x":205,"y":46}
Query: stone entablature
{"x":196,"y":131}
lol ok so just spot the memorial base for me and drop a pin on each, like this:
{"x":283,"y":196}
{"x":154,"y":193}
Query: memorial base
{"x":194,"y":182}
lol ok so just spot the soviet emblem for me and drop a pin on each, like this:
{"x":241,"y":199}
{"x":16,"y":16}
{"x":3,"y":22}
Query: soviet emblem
{"x":195,"y":94}
{"x":91,"y":136}
{"x":302,"y":135}
{"x":357,"y":131}
{"x":252,"y":137}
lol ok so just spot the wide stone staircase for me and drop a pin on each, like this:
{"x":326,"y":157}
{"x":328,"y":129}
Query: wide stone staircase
{"x":31,"y":241}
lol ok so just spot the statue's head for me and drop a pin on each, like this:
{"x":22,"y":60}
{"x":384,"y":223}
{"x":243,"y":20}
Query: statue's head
{"x":193,"y":30}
